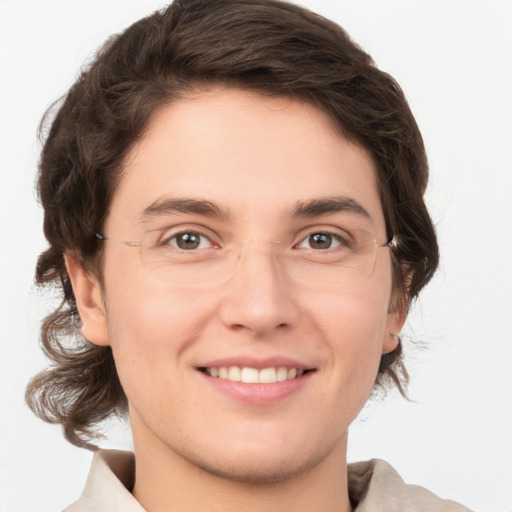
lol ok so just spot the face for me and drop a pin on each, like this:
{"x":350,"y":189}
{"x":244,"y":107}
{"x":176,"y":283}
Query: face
{"x":226,"y":169}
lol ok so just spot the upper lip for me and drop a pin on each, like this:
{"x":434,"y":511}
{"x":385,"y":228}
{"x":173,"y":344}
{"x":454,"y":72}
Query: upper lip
{"x":258,"y":363}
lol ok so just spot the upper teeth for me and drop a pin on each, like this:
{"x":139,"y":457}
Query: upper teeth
{"x":253,"y":375}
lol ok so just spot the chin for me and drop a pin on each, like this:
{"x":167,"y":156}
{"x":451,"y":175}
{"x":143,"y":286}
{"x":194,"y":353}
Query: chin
{"x":257,"y":465}
{"x":256,"y":472}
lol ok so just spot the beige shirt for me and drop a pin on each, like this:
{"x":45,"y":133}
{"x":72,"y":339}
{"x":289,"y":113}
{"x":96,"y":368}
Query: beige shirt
{"x":374,"y":485}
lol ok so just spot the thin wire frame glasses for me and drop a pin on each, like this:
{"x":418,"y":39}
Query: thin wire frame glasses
{"x":321,"y":260}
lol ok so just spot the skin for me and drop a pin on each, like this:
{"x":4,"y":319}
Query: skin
{"x":255,"y":157}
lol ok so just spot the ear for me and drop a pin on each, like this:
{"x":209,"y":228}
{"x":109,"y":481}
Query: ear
{"x":395,"y":322}
{"x":89,"y":301}
{"x":398,"y":307}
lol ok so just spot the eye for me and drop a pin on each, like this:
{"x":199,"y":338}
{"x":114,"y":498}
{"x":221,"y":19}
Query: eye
{"x":321,"y":241}
{"x":188,"y":241}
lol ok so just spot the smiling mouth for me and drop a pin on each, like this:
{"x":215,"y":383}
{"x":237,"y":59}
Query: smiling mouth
{"x":249,"y":375}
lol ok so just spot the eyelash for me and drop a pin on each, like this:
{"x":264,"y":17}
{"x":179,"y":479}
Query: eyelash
{"x":335,"y":237}
{"x":167,"y":240}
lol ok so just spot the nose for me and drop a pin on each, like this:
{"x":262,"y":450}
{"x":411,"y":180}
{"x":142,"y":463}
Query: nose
{"x":258,"y":298}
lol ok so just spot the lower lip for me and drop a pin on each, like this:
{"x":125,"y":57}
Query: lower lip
{"x":259,"y":394}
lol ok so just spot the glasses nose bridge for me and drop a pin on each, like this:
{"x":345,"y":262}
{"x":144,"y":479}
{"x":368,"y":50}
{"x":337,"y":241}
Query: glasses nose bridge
{"x":273,"y":245}
{"x":251,"y":246}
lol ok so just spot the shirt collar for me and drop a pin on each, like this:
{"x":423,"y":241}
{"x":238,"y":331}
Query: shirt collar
{"x":109,"y":483}
{"x":374,"y":486}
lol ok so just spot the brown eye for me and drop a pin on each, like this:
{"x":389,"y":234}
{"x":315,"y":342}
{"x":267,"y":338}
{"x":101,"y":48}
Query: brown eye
{"x":189,"y":241}
{"x":320,"y":241}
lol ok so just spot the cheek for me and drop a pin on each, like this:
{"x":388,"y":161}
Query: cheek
{"x":349,"y":328}
{"x":150,"y":326}
{"x":355,"y":325}
{"x":356,"y":315}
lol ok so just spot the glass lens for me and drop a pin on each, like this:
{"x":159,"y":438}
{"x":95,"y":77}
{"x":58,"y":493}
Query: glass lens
{"x":320,"y":260}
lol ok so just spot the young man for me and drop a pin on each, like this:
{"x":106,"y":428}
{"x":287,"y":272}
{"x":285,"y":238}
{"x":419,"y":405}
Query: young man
{"x":233,"y":199}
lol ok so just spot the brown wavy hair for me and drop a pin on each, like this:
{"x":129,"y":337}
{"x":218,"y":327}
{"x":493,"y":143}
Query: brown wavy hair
{"x":267,"y":46}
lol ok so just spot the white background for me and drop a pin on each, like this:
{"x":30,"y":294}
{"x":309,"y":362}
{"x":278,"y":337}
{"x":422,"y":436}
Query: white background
{"x":453,"y":59}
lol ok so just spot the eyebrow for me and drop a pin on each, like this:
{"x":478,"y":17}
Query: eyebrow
{"x":311,"y":208}
{"x":328,"y":206}
{"x":182,"y":205}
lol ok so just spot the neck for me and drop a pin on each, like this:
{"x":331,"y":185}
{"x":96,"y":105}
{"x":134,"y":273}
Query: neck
{"x":165,"y":480}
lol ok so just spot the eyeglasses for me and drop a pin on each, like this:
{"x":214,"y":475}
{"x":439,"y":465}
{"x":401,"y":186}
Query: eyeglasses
{"x":320,"y":259}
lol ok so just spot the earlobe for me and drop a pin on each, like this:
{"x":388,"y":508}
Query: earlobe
{"x":396,"y":320}
{"x":397,"y":312}
{"x":89,"y":301}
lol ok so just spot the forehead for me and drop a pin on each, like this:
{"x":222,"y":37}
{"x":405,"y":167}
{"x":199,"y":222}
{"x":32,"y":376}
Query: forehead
{"x":251,"y":155}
